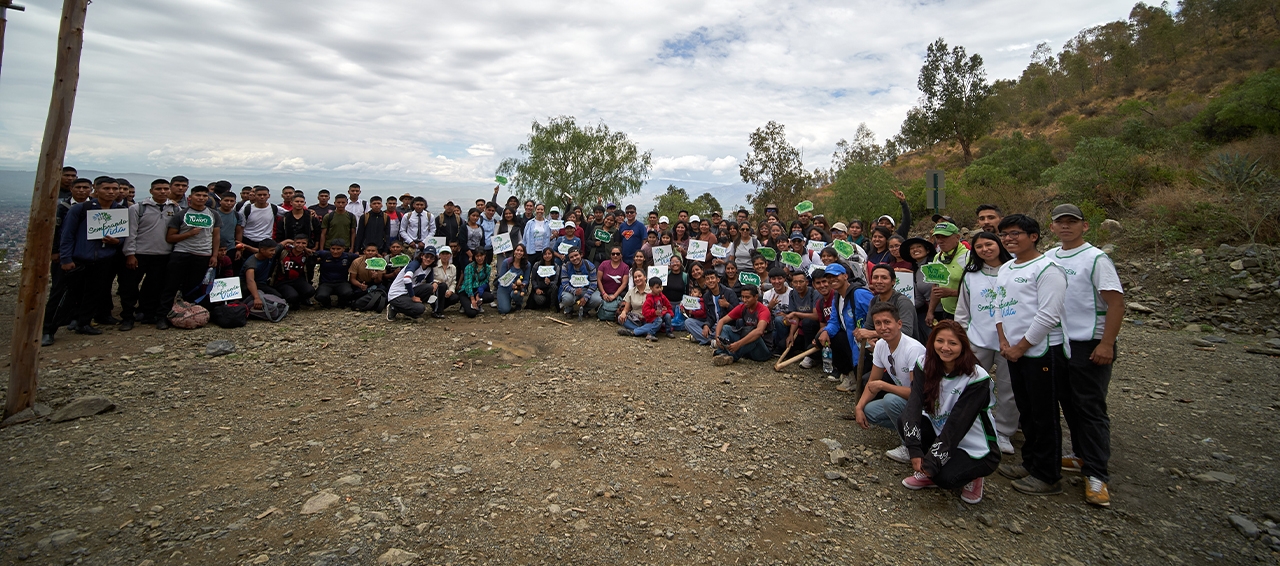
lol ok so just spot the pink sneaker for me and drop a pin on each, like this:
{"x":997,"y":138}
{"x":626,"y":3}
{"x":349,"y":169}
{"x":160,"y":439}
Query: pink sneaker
{"x":917,"y":481}
{"x":972,"y":492}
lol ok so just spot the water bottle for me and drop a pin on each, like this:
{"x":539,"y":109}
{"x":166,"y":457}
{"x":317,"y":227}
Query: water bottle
{"x":208,"y":277}
{"x":827,"y":367}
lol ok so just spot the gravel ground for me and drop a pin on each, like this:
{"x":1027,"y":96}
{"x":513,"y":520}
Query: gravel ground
{"x":341,"y":438}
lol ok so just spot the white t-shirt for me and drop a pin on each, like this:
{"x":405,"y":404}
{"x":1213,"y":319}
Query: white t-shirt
{"x":1089,"y":270}
{"x":909,"y":352}
{"x":259,"y":222}
{"x":784,"y":300}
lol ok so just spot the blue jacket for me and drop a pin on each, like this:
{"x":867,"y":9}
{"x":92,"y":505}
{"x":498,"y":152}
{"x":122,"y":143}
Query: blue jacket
{"x":848,"y":313}
{"x":75,"y":243}
{"x":568,"y":271}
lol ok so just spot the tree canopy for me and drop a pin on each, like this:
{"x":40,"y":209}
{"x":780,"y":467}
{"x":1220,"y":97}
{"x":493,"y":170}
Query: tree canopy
{"x":776,"y":167}
{"x":586,"y":163}
{"x":676,"y":199}
{"x":953,"y":100}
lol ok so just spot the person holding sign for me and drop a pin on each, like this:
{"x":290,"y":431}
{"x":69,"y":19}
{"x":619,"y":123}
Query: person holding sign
{"x":509,"y":227}
{"x":578,"y":285}
{"x":740,"y":333}
{"x":514,"y":275}
{"x":566,"y":241}
{"x":945,"y":272}
{"x":602,"y":238}
{"x":194,"y":234}
{"x":411,"y":284}
{"x":545,"y":281}
{"x":717,"y":300}
{"x":475,"y":283}
{"x":366,"y":272}
{"x":88,"y":259}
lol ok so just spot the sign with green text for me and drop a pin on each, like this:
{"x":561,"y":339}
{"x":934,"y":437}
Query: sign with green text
{"x":375,"y":264}
{"x":747,"y":278}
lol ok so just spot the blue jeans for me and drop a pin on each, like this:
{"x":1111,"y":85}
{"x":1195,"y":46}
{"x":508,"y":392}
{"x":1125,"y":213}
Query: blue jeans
{"x":694,"y":327}
{"x":508,"y":301}
{"x":651,"y":328}
{"x":757,"y":350}
{"x":885,"y":411}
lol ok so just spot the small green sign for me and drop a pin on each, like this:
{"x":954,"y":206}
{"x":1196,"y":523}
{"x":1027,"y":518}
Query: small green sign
{"x":936,"y":273}
{"x":197,"y":220}
{"x":603,"y":236}
{"x":375,"y":264}
{"x":843,"y":248}
{"x":767,"y":253}
{"x":500,"y":179}
{"x":803,"y":207}
{"x":400,"y":260}
{"x":791,"y":259}
{"x":747,"y":278}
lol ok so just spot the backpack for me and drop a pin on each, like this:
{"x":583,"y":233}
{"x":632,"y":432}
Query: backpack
{"x":231,"y":314}
{"x":187,"y":315}
{"x":373,"y":301}
{"x":273,"y":308}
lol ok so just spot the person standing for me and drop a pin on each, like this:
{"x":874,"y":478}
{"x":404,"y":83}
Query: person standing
{"x":952,"y":256}
{"x":339,"y":224}
{"x":537,"y":231}
{"x":354,"y":205}
{"x":416,"y":225}
{"x":989,"y":217}
{"x":89,"y":265}
{"x":633,"y":233}
{"x":1092,"y":316}
{"x":194,"y":233}
{"x":976,"y":313}
{"x":375,"y":227}
{"x":1029,"y":326}
{"x":322,"y":207}
{"x":178,"y":191}
{"x":259,"y":218}
{"x":146,"y":256}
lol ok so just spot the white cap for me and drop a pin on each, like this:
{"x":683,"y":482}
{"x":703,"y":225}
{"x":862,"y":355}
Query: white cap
{"x":887,"y":217}
{"x":695,"y":218}
{"x":663,"y":220}
{"x":555,"y":209}
{"x":570,"y":224}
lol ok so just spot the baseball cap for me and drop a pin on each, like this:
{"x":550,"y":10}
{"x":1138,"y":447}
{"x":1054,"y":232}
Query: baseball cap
{"x":835,"y":269}
{"x":839,"y":227}
{"x":1067,"y":210}
{"x":770,"y":206}
{"x":664,"y":219}
{"x":611,"y":205}
{"x":943,"y":217}
{"x":797,"y":236}
{"x":446,"y":250}
{"x":431,"y":250}
{"x":694,"y":218}
{"x":570,"y":224}
{"x":886,"y":217}
{"x":945,"y":229}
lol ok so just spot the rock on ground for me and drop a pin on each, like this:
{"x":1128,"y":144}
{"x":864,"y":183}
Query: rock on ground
{"x":219,"y":348}
{"x":83,"y":407}
{"x":319,"y":502}
{"x":1244,"y":525}
{"x":397,"y":556}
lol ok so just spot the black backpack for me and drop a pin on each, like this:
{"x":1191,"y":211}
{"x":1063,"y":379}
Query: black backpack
{"x":373,"y":301}
{"x":231,"y":314}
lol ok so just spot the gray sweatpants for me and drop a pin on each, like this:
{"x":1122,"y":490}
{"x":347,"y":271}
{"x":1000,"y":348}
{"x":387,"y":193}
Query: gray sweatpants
{"x":1006,"y":410}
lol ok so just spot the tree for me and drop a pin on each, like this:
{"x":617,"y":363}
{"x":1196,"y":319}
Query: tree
{"x":672,"y":201}
{"x":585,"y":163}
{"x":953,"y":101}
{"x":863,"y":150}
{"x":704,"y":205}
{"x":776,"y":167}
{"x":863,"y":191}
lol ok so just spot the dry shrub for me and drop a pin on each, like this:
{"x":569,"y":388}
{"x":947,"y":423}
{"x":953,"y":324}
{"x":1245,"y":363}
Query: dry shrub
{"x":1172,"y":215}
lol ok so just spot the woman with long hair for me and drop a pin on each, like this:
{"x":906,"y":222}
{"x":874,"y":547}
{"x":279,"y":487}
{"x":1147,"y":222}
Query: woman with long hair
{"x":947,"y":425}
{"x":537,"y":231}
{"x":976,"y":311}
{"x":508,"y":225}
{"x":743,"y":248}
{"x":543,"y":288}
{"x":511,"y":297}
{"x":680,"y":236}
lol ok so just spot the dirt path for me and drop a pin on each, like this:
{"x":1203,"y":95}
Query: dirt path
{"x":519,"y":440}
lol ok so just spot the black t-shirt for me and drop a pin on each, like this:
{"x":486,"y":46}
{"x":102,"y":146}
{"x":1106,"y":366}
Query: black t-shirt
{"x":334,"y":269}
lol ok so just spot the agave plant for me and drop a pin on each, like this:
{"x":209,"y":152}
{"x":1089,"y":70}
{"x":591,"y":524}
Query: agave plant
{"x":1235,"y":172}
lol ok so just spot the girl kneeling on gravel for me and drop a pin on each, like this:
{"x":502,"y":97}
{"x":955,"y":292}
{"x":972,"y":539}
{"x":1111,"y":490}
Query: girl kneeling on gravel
{"x":947,"y":425}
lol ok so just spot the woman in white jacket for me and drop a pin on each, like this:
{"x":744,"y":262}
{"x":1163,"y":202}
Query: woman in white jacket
{"x":975,"y":311}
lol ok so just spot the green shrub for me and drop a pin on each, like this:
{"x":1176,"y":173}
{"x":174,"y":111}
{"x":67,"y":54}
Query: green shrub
{"x":1250,"y":108}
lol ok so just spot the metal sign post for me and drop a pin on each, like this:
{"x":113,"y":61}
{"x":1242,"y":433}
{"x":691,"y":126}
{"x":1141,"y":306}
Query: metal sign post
{"x":935,"y":181}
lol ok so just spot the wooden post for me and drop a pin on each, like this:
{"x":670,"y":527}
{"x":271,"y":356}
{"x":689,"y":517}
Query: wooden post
{"x":5,"y":6}
{"x":24,"y":351}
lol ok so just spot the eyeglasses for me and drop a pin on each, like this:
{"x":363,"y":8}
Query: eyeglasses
{"x":1013,"y":234}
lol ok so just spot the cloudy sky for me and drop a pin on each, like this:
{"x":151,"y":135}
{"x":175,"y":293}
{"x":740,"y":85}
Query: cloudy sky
{"x":440,"y":92}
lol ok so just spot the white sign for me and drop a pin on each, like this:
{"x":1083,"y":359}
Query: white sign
{"x":659,"y":271}
{"x":508,"y":278}
{"x":662,"y":255}
{"x":564,"y":248}
{"x":546,"y":270}
{"x":719,"y":251}
{"x":113,"y":223}
{"x":502,"y":243}
{"x":437,"y":241}
{"x":697,"y":250}
{"x":906,"y":284}
{"x":815,"y":245}
{"x":579,"y":280}
{"x":691,"y":303}
{"x":227,"y":289}
{"x":556,"y":224}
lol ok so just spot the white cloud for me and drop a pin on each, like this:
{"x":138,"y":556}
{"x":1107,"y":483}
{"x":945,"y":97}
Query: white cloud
{"x":282,"y":86}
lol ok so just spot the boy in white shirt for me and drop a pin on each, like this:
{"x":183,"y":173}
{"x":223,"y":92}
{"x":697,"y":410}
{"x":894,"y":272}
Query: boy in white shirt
{"x":1092,"y":319}
{"x":894,"y":358}
{"x":1029,"y":326}
{"x":777,"y":298}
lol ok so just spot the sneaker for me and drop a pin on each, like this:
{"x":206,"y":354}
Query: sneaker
{"x":917,"y":481}
{"x":807,"y":362}
{"x":1096,"y":492}
{"x":162,"y":323}
{"x":391,"y":315}
{"x":833,"y":377}
{"x":972,"y":492}
{"x":437,"y":314}
{"x":722,"y":359}
{"x":1032,"y":485}
{"x":493,"y":304}
{"x":88,"y":329}
{"x":846,"y":384}
{"x":1013,"y":471}
{"x":1006,"y":447}
{"x":671,"y":334}
{"x":1071,"y":464}
{"x":651,"y":338}
{"x":127,"y":325}
{"x":46,"y":340}
{"x":899,"y":455}
{"x":624,"y":332}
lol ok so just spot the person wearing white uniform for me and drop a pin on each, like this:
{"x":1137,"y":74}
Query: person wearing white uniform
{"x":894,"y":358}
{"x":1029,"y":324}
{"x":947,"y":424}
{"x":976,"y":312}
{"x":1093,"y":316}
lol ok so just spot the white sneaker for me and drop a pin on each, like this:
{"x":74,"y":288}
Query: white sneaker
{"x":807,"y":362}
{"x":1006,"y":447}
{"x":899,"y":455}
{"x":493,"y":304}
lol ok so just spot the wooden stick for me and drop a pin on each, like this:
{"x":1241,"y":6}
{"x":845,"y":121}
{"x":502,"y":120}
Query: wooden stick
{"x":24,"y":348}
{"x":781,"y":364}
{"x":556,"y":320}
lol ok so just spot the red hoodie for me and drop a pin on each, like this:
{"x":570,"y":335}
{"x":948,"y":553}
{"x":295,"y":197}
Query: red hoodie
{"x":651,"y":304}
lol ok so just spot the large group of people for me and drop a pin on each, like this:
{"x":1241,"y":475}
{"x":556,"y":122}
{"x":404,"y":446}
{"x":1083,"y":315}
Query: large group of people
{"x":963,"y":343}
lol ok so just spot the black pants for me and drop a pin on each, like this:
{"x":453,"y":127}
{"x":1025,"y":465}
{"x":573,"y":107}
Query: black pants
{"x":183,"y":274}
{"x":443,"y":302}
{"x":342,"y":289}
{"x":58,"y":307}
{"x":1082,"y":393}
{"x":470,"y":311}
{"x":842,"y":356}
{"x":405,"y":305}
{"x":295,"y":291}
{"x":544,"y":301}
{"x":144,"y":299}
{"x":959,"y":468}
{"x":1035,"y":392}
{"x":89,"y":289}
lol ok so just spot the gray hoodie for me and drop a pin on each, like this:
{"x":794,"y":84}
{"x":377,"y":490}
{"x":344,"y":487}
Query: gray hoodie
{"x":148,"y":223}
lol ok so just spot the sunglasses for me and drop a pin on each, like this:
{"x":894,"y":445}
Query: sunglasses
{"x":616,"y":253}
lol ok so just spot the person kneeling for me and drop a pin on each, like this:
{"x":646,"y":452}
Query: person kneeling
{"x":748,"y":340}
{"x":947,"y":425}
{"x":889,"y":386}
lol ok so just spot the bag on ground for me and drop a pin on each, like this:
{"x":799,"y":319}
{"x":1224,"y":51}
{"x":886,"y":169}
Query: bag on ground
{"x":231,"y":314}
{"x":273,"y":308}
{"x":187,"y":315}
